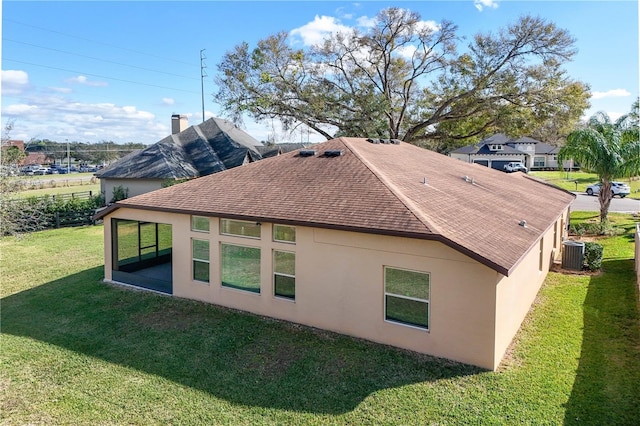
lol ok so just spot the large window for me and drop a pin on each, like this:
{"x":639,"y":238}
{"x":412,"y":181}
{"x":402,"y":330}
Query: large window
{"x":240,"y":267}
{"x":284,"y":274}
{"x":406,"y":297}
{"x":284,"y":234}
{"x":200,"y":256}
{"x":240,"y":228}
{"x":538,"y":162}
{"x":199,"y":224}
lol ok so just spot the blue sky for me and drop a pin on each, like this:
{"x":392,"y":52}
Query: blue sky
{"x":91,"y":71}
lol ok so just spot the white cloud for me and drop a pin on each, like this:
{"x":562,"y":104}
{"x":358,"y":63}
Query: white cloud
{"x":316,"y":31}
{"x":81,"y":79}
{"x":19,"y":109}
{"x":61,"y":89}
{"x":82,"y":121}
{"x":407,"y":51}
{"x":366,"y":22}
{"x":168,"y":101}
{"x":14,"y":82}
{"x":481,"y":4}
{"x":614,"y":115}
{"x":614,"y":93}
{"x":428,"y":25}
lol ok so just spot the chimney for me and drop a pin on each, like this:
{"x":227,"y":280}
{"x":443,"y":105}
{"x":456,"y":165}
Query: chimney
{"x":179,"y":122}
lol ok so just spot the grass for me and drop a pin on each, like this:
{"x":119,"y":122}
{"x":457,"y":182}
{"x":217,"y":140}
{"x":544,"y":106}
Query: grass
{"x":567,"y":181}
{"x":76,"y":351}
{"x":59,"y":190}
{"x":56,"y":184}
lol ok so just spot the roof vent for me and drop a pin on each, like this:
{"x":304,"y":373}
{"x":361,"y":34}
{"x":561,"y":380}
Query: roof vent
{"x":333,"y":153}
{"x":307,"y":153}
{"x":384,"y":141}
{"x":523,"y":223}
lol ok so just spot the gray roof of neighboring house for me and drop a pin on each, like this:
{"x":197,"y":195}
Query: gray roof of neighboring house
{"x":484,"y":149}
{"x":279,"y":148}
{"x":501,"y":139}
{"x":387,"y":189}
{"x":199,"y":150}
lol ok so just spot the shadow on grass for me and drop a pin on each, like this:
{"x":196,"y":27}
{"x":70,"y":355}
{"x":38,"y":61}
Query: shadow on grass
{"x":239,"y":357}
{"x":607,"y":384}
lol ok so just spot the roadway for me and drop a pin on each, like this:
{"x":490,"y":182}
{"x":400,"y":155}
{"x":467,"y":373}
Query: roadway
{"x":584,"y":202}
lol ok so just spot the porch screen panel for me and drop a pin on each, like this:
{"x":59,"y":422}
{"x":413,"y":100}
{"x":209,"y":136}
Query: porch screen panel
{"x":164,"y":239}
{"x":148,"y":241}
{"x":127,"y":237}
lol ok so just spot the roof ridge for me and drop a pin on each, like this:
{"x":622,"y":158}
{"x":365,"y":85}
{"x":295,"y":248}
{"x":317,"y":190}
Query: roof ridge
{"x":171,"y":166}
{"x":407,"y":202}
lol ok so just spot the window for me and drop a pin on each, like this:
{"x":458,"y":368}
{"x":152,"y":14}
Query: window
{"x":406,"y":297}
{"x":240,"y":228}
{"x":199,"y":224}
{"x":284,"y":274}
{"x":284,"y":234}
{"x":240,"y":267}
{"x":496,"y":147}
{"x":538,"y":162}
{"x":200,"y":255}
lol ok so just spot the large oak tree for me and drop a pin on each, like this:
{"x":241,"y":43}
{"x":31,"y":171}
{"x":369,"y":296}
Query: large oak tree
{"x":408,"y":79}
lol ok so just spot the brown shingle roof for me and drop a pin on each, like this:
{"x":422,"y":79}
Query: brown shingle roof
{"x":393,"y":189}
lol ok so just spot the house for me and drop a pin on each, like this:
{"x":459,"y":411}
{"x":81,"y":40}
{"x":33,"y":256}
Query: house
{"x":268,"y":151}
{"x":377,"y":239}
{"x":499,"y":149}
{"x":189,"y":152}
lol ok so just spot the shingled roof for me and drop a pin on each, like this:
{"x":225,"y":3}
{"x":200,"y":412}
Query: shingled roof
{"x":508,"y":144}
{"x":209,"y":147}
{"x":390,"y":189}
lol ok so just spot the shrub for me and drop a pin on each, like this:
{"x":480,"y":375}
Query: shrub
{"x":119,"y":193}
{"x":593,"y":255}
{"x":38,"y":213}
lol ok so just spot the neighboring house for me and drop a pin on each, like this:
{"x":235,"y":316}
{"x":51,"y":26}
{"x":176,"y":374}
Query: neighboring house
{"x":498,"y":150}
{"x":381,"y":240}
{"x":29,"y":157}
{"x":209,"y":147}
{"x":274,"y":150}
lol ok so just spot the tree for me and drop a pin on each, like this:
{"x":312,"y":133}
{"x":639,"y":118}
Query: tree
{"x":11,"y":156}
{"x":405,"y":79}
{"x":609,"y":149}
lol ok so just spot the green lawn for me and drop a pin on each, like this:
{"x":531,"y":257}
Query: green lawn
{"x":76,"y":351}
{"x":567,"y":180}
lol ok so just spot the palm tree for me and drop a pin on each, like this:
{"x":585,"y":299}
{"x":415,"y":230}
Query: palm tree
{"x":609,"y":149}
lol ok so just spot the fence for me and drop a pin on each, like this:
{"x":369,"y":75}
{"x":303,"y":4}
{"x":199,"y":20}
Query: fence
{"x":48,"y":211}
{"x":76,"y":218}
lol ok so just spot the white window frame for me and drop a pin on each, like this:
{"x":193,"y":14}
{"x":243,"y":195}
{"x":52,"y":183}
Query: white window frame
{"x":237,"y":288}
{"x":275,"y":226}
{"x":281,"y":274}
{"x":195,"y":229}
{"x":427,"y":302}
{"x":222,"y":221}
{"x":195,"y":259}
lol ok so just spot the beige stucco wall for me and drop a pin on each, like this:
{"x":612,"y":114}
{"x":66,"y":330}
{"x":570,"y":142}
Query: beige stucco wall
{"x":516,"y":293}
{"x":340,"y":287}
{"x":135,"y":186}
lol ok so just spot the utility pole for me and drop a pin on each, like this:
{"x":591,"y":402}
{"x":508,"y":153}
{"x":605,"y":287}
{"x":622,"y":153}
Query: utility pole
{"x":68,"y":157}
{"x":203,"y":74}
